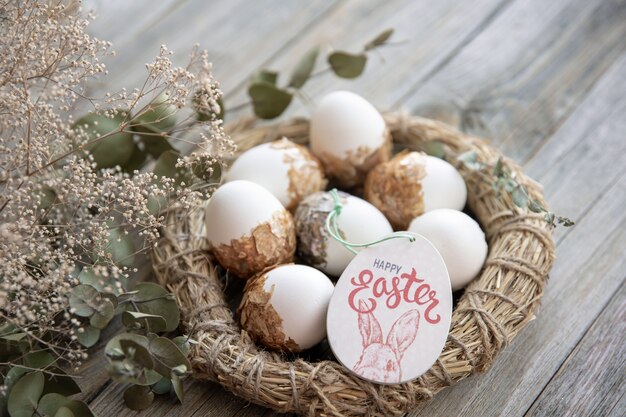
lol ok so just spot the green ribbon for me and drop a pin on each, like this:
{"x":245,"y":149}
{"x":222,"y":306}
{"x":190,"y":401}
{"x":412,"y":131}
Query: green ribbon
{"x":333,"y":229}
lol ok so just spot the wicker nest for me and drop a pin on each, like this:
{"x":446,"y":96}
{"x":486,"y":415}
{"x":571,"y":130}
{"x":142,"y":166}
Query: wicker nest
{"x":491,"y":311}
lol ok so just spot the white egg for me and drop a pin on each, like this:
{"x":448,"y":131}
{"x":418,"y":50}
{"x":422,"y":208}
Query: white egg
{"x":287,"y":170}
{"x":285,"y":307}
{"x":349,"y":136}
{"x":412,"y":183}
{"x":458,"y":238}
{"x":359,"y":222}
{"x":248,"y":229}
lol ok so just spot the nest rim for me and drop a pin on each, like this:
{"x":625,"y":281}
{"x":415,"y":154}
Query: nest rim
{"x":493,"y":308}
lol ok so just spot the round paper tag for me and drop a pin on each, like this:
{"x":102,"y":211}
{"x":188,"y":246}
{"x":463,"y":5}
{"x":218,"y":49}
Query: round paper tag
{"x":389,"y":316}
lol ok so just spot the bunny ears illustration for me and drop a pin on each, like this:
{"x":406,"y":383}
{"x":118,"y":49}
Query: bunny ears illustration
{"x":381,"y":361}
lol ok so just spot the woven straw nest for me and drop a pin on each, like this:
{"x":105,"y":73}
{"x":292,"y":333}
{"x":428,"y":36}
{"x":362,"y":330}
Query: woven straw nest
{"x":491,"y":311}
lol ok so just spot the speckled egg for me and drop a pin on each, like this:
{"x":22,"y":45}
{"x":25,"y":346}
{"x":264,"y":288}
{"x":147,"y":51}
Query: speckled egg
{"x":359,"y":222}
{"x":413,"y":183}
{"x":349,"y":136}
{"x":248,"y":229}
{"x":287,"y":170}
{"x":285,"y":307}
{"x":458,"y":238}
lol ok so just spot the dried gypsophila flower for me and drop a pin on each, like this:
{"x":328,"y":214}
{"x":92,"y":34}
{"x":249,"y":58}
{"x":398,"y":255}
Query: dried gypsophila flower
{"x":57,"y":209}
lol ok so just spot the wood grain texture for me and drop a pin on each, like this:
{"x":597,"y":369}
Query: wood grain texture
{"x":586,"y":180}
{"x":592,"y":380}
{"x":525,"y":73}
{"x":544,"y":80}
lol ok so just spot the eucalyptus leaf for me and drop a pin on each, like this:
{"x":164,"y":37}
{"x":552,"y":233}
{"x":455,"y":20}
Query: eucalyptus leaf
{"x":379,"y":40}
{"x":89,"y":336}
{"x":303,"y":70}
{"x":64,"y":412}
{"x":46,"y":198}
{"x":113,"y":346}
{"x":11,"y":377}
{"x":138,"y":352}
{"x":167,"y":356}
{"x":113,"y":150}
{"x":137,"y":159}
{"x":166,"y":167}
{"x":183,"y":343}
{"x":265,"y":76}
{"x":39,"y":359}
{"x":520,"y":196}
{"x":347,"y":65}
{"x":138,"y":397}
{"x":25,"y":395}
{"x":155,"y":144}
{"x":164,"y":386}
{"x":139,"y":320}
{"x":83,"y":299}
{"x":159,"y":116}
{"x":51,"y":404}
{"x":535,"y":206}
{"x":154,"y":299}
{"x":177,"y":384}
{"x":208,"y":170}
{"x":268,"y":100}
{"x":434,"y":148}
{"x":121,"y":247}
{"x":88,"y":276}
{"x":203,"y":116}
{"x":103,"y":314}
{"x":58,"y":382}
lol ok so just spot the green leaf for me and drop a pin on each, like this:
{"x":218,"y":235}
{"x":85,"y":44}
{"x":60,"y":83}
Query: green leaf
{"x":64,"y":412}
{"x":38,"y":360}
{"x":137,"y":159}
{"x":155,"y":144}
{"x":154,"y":299}
{"x":265,"y":76}
{"x":520,"y":196}
{"x":51,"y":404}
{"x":346,"y":65}
{"x":183,"y":343}
{"x":89,"y":336}
{"x":113,"y":150}
{"x":138,"y":397}
{"x":138,"y":352}
{"x":130,"y":361}
{"x":60,"y":383}
{"x":268,"y":100}
{"x":159,"y":116}
{"x":89,"y":277}
{"x":162,"y":387}
{"x":83,"y":299}
{"x":46,"y":198}
{"x":303,"y":70}
{"x":103,"y":315}
{"x":434,"y":148}
{"x":138,"y":320}
{"x":535,"y":206}
{"x":121,"y":247}
{"x":549,"y":217}
{"x":178,"y":388}
{"x":379,"y":40}
{"x":498,"y":169}
{"x":11,"y":377}
{"x":25,"y":395}
{"x":166,"y":167}
{"x":167,"y":356}
{"x":205,"y":115}
{"x":208,"y":170}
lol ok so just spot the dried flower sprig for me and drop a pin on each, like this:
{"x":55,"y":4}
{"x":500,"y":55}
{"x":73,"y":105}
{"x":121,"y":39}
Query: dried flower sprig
{"x":78,"y":201}
{"x":504,"y":182}
{"x":269,"y":100}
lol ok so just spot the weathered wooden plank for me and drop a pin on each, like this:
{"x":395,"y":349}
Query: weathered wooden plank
{"x":520,"y":78}
{"x":428,"y":33}
{"x":593,"y":379}
{"x":584,"y":178}
{"x":237,"y":39}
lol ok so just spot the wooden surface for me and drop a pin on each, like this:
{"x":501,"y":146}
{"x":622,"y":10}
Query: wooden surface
{"x":543,"y":80}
